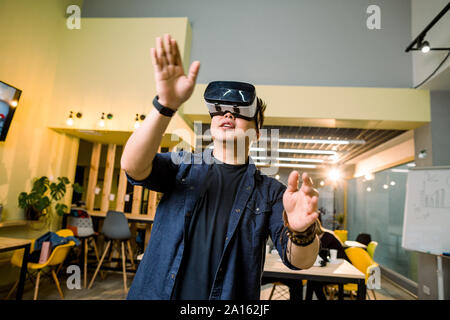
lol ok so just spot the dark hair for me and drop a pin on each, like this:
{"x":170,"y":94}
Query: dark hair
{"x":259,"y":117}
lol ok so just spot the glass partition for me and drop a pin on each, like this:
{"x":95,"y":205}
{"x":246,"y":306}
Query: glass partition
{"x":375,"y":205}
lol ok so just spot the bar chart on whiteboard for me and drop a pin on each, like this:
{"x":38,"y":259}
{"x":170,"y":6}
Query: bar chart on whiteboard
{"x":426,"y":224}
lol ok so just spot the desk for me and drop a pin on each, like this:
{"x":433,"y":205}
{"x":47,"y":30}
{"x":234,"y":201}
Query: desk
{"x":130,"y":216}
{"x":8,"y":244}
{"x":356,"y":244}
{"x":341,"y":273}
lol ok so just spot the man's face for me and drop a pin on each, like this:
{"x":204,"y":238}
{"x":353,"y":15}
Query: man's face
{"x":228,"y":128}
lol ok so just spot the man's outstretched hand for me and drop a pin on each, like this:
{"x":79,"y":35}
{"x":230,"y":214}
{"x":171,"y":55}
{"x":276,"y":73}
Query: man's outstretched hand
{"x":173,"y":87}
{"x":300,"y":204}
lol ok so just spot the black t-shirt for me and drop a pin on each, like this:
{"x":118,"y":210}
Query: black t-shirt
{"x":207,"y":232}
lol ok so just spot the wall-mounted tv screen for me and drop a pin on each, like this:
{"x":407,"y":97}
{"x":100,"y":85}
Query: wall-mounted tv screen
{"x":9,"y":99}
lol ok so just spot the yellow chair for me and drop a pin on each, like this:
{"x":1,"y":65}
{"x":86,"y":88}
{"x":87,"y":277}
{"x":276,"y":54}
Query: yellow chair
{"x":371,"y":248}
{"x":56,"y":258}
{"x":364,"y":263}
{"x":341,"y":234}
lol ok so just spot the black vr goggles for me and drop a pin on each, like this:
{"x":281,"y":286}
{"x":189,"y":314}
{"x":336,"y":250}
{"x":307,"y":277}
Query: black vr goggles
{"x":238,"y":98}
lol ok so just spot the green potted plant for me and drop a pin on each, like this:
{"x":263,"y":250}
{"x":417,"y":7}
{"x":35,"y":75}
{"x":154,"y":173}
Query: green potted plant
{"x":43,"y":195}
{"x":340,"y":220}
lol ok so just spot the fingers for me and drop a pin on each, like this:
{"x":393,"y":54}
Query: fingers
{"x":307,"y":185}
{"x":155,"y":60}
{"x":293,"y":181}
{"x":167,"y":48}
{"x":306,"y":179}
{"x":176,"y":52}
{"x":193,"y":70}
{"x":160,"y":54}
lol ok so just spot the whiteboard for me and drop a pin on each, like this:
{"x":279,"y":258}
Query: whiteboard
{"x":426,"y":221}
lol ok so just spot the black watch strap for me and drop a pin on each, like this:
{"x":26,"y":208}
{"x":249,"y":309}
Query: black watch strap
{"x":163,"y":110}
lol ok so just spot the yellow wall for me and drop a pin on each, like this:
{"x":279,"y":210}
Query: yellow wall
{"x":31,"y":33}
{"x":106,"y":67}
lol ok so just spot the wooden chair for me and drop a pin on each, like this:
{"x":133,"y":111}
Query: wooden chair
{"x":55,"y":260}
{"x":364,"y":263}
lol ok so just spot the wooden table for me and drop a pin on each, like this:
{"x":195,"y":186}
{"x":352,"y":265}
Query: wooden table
{"x":8,"y":244}
{"x":130,"y":216}
{"x":340,"y":273}
{"x":356,"y":244}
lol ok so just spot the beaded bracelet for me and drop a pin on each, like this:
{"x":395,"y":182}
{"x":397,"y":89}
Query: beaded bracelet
{"x":302,"y":239}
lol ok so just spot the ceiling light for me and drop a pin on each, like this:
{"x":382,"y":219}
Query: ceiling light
{"x":257,"y":149}
{"x":369,"y":189}
{"x":260,"y":163}
{"x":385,"y":186}
{"x":299,"y":159}
{"x":136,"y":122}
{"x":392,"y":183}
{"x":400,"y":170}
{"x":69,"y":120}
{"x":277,"y":177}
{"x":323,"y":141}
{"x":322,"y":183}
{"x":425,"y":47}
{"x":294,"y":165}
{"x":307,"y":151}
{"x":334,"y":174}
{"x":101,"y":123}
{"x":286,"y":165}
{"x":369,"y":176}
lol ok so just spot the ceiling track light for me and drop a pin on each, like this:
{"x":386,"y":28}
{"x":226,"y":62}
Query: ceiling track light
{"x":425,"y":47}
{"x":419,"y":43}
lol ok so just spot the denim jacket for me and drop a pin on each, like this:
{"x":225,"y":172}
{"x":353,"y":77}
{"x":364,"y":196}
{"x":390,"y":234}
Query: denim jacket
{"x":256,"y":215}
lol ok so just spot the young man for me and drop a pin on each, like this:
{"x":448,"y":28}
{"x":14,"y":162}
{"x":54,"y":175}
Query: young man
{"x":210,"y":229}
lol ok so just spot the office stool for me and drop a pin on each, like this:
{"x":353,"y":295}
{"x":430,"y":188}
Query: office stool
{"x":115,"y":228}
{"x":81,"y":224}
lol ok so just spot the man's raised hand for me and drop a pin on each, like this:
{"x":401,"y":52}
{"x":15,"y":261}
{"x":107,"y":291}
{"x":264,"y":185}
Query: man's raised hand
{"x":173,"y":87}
{"x":300,"y":204}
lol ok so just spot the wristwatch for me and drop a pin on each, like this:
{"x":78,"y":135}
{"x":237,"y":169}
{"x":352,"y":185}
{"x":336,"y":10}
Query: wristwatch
{"x":163,"y":110}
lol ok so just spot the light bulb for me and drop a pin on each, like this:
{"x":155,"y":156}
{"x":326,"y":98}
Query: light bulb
{"x":385,"y":186}
{"x":425,"y":47}
{"x":322,"y":183}
{"x":69,"y":120}
{"x":136,"y":122}
{"x":392,"y":183}
{"x":334,"y":174}
{"x":369,"y":189}
{"x":101,"y":123}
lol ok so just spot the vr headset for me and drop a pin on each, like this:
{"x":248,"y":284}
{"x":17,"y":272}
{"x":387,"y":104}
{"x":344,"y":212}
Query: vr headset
{"x":238,"y":98}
